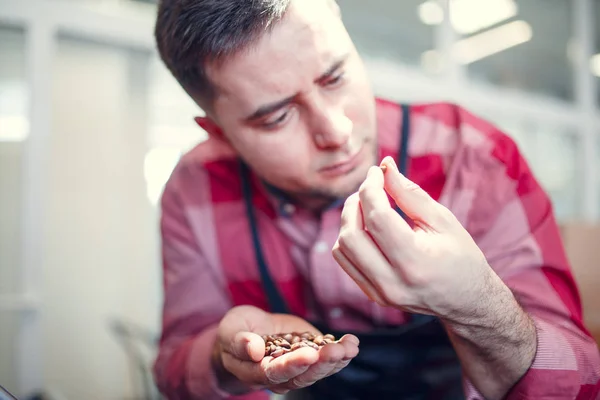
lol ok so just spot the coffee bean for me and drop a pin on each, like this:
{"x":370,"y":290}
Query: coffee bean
{"x":313,"y":345}
{"x":279,"y":344}
{"x":277,"y":353}
{"x":298,"y":345}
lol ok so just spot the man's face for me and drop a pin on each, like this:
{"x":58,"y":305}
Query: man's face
{"x":297,"y":106}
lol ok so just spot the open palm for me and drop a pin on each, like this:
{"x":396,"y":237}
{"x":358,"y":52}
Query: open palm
{"x":243,"y":351}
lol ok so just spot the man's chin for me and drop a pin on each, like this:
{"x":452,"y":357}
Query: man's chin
{"x":347,"y":186}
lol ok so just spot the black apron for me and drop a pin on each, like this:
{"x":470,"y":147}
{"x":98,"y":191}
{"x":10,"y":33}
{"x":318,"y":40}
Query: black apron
{"x":413,"y":361}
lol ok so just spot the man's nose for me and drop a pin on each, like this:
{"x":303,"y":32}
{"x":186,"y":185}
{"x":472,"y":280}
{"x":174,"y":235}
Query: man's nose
{"x":332,"y":129}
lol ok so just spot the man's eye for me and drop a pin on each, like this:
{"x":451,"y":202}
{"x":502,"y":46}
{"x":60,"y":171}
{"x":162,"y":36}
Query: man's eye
{"x":336,"y":80}
{"x":273,"y":123}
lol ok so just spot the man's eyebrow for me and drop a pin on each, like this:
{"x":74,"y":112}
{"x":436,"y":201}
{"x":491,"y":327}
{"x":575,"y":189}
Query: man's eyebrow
{"x":331,"y":70}
{"x":267,"y":109}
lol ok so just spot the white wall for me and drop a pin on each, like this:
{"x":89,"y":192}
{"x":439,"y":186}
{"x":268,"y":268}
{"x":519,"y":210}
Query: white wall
{"x":100,"y":255}
{"x":12,"y":87}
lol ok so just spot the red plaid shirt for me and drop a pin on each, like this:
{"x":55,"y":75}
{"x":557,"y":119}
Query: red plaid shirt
{"x":460,"y":160}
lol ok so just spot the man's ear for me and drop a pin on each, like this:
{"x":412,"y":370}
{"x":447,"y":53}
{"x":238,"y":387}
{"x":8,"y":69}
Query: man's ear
{"x":213,"y":130}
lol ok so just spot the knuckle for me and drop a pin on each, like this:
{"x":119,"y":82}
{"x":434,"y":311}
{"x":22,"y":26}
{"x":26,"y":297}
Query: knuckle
{"x":393,"y":295}
{"x":417,"y":278}
{"x":414,"y":188}
{"x":446,"y":216}
{"x":348,"y":239}
{"x":350,"y":200}
{"x":377,"y":219}
{"x":298,"y":383}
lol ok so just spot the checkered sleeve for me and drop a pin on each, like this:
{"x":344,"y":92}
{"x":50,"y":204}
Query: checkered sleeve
{"x":512,"y":221}
{"x":193,"y":304}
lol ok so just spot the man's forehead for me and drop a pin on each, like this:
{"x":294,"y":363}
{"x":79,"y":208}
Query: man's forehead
{"x":301,"y":46}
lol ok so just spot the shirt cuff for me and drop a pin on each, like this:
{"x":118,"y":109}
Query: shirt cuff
{"x":554,"y":373}
{"x":201,"y":379}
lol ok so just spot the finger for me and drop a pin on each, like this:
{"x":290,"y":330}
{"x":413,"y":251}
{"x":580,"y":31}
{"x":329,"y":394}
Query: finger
{"x":349,"y":338}
{"x":289,"y":366}
{"x":330,"y":358}
{"x":357,"y":276}
{"x":413,"y":200}
{"x":246,"y":346}
{"x":352,"y":218}
{"x":271,"y":371}
{"x":352,"y":225}
{"x":315,"y":373}
{"x":388,"y":230}
{"x":363,"y":260}
{"x":341,"y":365}
{"x":377,"y":213}
{"x":351,"y":345}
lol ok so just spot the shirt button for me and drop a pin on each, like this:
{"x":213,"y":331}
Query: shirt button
{"x":289,"y":208}
{"x":336,"y":312}
{"x":321,"y":247}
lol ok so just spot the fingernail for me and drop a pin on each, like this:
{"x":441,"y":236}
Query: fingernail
{"x":388,"y":161}
{"x":393,"y":163}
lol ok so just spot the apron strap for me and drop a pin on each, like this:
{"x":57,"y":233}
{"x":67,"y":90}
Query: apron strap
{"x":275,"y":301}
{"x":403,"y":152}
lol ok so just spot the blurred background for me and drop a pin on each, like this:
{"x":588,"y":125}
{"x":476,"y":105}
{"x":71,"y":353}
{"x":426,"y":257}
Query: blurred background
{"x":91,"y":125}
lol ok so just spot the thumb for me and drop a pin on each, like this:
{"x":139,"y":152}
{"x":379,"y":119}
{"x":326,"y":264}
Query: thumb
{"x":411,"y":198}
{"x":247,"y":346}
{"x":235,"y":333}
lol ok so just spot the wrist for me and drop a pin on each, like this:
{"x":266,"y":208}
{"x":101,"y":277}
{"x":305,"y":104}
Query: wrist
{"x":481,"y":305}
{"x":498,"y":315}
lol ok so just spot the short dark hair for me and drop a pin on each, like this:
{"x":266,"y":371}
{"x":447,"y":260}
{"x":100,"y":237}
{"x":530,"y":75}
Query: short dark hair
{"x":191,"y":33}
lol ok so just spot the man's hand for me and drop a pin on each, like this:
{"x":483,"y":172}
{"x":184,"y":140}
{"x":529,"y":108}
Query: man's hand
{"x":240,"y":361}
{"x":436,"y":268}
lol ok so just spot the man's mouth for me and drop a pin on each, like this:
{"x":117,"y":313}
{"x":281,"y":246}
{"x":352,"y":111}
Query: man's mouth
{"x":344,"y":166}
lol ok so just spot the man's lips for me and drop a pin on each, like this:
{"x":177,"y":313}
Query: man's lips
{"x":344,"y":166}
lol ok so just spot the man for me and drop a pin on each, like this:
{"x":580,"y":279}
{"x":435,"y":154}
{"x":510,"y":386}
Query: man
{"x":462,"y":291}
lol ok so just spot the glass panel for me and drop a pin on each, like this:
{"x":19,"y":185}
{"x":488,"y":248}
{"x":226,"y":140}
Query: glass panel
{"x":172,"y":129}
{"x":598,"y":172}
{"x":595,"y":59}
{"x":558,"y":168}
{"x":520,"y":44}
{"x":101,"y":259}
{"x":13,"y":131}
{"x":399,"y":31}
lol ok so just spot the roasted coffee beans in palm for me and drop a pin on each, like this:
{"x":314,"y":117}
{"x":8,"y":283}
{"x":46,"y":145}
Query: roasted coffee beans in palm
{"x":281,"y":343}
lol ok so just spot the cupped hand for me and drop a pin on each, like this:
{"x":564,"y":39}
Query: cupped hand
{"x":241,"y":351}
